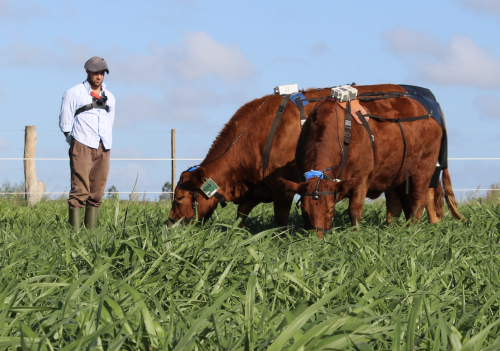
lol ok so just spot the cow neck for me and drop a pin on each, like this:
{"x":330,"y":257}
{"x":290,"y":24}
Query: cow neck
{"x":223,"y":175}
{"x":326,"y":153}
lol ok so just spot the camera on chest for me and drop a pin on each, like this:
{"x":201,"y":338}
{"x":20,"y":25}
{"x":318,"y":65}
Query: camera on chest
{"x":99,"y":100}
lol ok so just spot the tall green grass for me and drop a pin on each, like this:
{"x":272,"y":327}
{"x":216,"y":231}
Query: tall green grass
{"x":136,"y":285}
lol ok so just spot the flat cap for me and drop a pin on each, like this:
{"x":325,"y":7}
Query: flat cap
{"x":96,"y":64}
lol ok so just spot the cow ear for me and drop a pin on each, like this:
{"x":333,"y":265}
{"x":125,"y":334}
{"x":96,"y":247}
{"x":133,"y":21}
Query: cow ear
{"x":289,"y":187}
{"x":344,"y":187}
{"x":198,"y":176}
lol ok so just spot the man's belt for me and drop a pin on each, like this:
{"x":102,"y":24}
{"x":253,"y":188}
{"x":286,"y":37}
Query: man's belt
{"x":95,"y":104}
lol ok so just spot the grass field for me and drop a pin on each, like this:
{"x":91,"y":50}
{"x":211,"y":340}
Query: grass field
{"x":135,"y":285}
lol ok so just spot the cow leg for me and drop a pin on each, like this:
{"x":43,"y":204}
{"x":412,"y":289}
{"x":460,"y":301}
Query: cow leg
{"x":431,"y":209}
{"x":404,"y":200}
{"x":418,"y":206}
{"x":244,"y":210}
{"x":415,"y":202}
{"x":282,"y":206}
{"x":409,"y":208}
{"x":394,"y":207}
{"x":356,"y":203}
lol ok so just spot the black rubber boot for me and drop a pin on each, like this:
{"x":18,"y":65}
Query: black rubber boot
{"x":91,"y":218}
{"x":75,"y":218}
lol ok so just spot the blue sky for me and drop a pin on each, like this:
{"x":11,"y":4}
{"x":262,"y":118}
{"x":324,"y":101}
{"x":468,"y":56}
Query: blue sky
{"x":190,"y":64}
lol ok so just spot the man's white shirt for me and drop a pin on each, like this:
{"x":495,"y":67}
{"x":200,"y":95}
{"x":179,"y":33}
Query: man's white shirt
{"x":91,"y":126}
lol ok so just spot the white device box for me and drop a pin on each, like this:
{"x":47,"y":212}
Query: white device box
{"x":344,"y":93}
{"x":286,"y":89}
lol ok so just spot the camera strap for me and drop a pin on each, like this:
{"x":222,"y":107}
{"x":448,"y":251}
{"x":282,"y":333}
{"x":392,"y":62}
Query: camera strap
{"x":98,"y":104}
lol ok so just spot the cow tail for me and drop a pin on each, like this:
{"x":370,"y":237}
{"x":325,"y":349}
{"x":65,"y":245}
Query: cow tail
{"x":450,"y":196}
{"x":439,"y":201}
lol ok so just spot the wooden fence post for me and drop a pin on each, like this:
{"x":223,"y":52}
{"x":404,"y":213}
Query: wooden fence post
{"x":34,"y":189}
{"x":173,"y":163}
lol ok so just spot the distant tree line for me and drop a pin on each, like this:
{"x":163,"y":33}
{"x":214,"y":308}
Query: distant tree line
{"x":112,"y":192}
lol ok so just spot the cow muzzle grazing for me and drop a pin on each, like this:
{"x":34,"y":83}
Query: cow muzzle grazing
{"x":317,"y":201}
{"x":191,"y":203}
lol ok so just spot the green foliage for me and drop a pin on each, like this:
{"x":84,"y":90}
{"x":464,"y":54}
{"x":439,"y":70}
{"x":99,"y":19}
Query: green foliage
{"x":13,"y":192}
{"x":112,"y":193}
{"x":134,"y":284}
{"x":167,"y":187}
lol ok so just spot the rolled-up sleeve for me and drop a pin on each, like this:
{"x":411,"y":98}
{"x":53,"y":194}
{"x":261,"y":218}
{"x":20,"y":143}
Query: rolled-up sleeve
{"x":67,"y":114}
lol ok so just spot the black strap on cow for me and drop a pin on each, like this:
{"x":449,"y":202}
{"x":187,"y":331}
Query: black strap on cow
{"x":98,"y":104}
{"x":267,"y":148}
{"x":315,"y":194}
{"x":398,"y":121}
{"x":300,"y":106}
{"x":221,"y":199}
{"x":405,"y":158}
{"x":365,"y":97}
{"x":367,"y":127}
{"x":194,"y":198}
{"x":317,"y":99}
{"x":347,"y":137}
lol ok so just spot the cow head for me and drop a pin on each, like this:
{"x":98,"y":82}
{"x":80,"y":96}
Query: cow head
{"x":317,"y":210}
{"x":190,"y":203}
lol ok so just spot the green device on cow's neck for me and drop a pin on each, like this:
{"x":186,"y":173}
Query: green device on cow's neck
{"x":209,"y":188}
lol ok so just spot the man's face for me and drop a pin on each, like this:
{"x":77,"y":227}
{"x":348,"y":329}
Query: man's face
{"x":95,"y":78}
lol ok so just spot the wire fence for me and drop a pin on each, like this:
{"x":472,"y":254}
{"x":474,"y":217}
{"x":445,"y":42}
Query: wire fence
{"x":196,"y":159}
{"x":199,"y":159}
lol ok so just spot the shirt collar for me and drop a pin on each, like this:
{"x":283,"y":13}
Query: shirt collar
{"x":87,"y":86}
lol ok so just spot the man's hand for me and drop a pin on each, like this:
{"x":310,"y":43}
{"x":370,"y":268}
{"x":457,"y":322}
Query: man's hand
{"x":68,"y":138}
{"x":66,"y":134}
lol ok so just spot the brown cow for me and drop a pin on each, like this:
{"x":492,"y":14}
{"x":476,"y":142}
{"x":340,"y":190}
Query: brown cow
{"x":368,"y":172}
{"x":234,"y":162}
{"x":435,"y":201}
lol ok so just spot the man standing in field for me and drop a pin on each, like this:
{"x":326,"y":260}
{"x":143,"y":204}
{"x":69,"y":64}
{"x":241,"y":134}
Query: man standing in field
{"x":86,"y":119}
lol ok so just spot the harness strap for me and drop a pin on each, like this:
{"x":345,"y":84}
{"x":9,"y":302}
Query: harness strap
{"x":300,"y":106}
{"x":267,"y":148}
{"x":367,"y":127}
{"x":405,"y":154}
{"x":317,"y":99}
{"x":320,"y":193}
{"x":365,"y":97}
{"x":221,"y":199}
{"x":91,"y":106}
{"x":194,"y":195}
{"x":405,"y":158}
{"x":195,"y":201}
{"x":347,"y":137}
{"x":397,"y":120}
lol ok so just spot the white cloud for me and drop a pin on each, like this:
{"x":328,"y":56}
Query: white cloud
{"x":491,"y":7}
{"x":5,"y":9}
{"x":403,"y":40}
{"x":22,"y":10}
{"x":459,"y":61}
{"x":187,"y":75}
{"x":321,"y":48}
{"x":61,"y":55}
{"x":181,"y":106}
{"x":197,"y":57}
{"x":488,"y":105}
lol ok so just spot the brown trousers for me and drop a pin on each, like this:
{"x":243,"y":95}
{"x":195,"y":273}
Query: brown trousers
{"x":89,"y":173}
